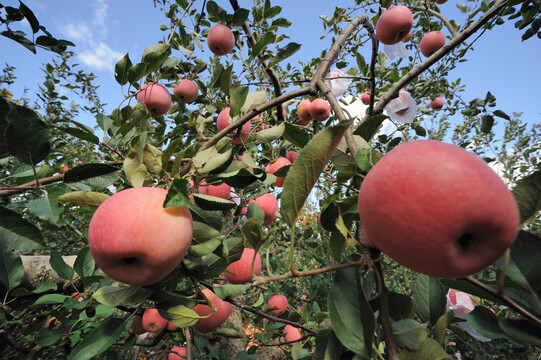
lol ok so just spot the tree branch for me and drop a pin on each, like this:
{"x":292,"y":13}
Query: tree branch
{"x":443,"y":19}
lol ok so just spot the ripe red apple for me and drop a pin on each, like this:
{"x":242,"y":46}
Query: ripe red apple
{"x":64,"y":169}
{"x":437,"y":209}
{"x":432,"y":42}
{"x":135,"y":240}
{"x":224,"y":120}
{"x":223,"y":309}
{"x":365,"y":98}
{"x":291,"y":333}
{"x":180,"y":350}
{"x":439,"y":2}
{"x":268,"y":203}
{"x":220,"y":40}
{"x":320,"y":109}
{"x":408,"y":37}
{"x":275,"y":166}
{"x":171,"y":327}
{"x":437,"y":103}
{"x":156,"y":98}
{"x":292,"y":156}
{"x":153,"y":321}
{"x":279,"y":301}
{"x":241,"y":270}
{"x":222,"y":191}
{"x":137,"y":325}
{"x":303,"y":111}
{"x":394,"y":25}
{"x":186,"y":91}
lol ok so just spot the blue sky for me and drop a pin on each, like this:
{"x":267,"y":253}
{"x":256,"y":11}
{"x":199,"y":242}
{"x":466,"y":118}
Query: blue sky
{"x":104,"y":30}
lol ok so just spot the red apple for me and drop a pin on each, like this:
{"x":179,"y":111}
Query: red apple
{"x":137,"y":325}
{"x":408,"y":37}
{"x":240,"y":271}
{"x":179,"y":349}
{"x":222,"y":191}
{"x":432,"y":42}
{"x":269,"y":205}
{"x":222,"y":311}
{"x":279,"y":301}
{"x":156,"y":98}
{"x":437,"y":103}
{"x":439,"y":2}
{"x":292,"y":156}
{"x":64,"y":169}
{"x":394,"y":25}
{"x":135,"y":240}
{"x":320,"y":109}
{"x":437,"y":209}
{"x":220,"y":40}
{"x":53,"y":322}
{"x":224,"y":120}
{"x":365,"y":98}
{"x":303,"y":111}
{"x":291,"y":333}
{"x":275,"y":166}
{"x":153,"y":321}
{"x":186,"y":91}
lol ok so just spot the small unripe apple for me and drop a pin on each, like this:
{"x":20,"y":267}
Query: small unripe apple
{"x":279,"y":301}
{"x":394,"y":25}
{"x":186,"y":91}
{"x":292,"y":156}
{"x":408,"y":37}
{"x":275,"y":166}
{"x":432,"y":42}
{"x":223,"y":309}
{"x":220,"y":40}
{"x":291,"y":333}
{"x":303,"y":112}
{"x":437,"y":209}
{"x":222,"y":191}
{"x":156,"y":98}
{"x":268,"y":203}
{"x":224,"y":120}
{"x":437,"y":103}
{"x":135,"y":240}
{"x":137,"y":325}
{"x":365,"y":98}
{"x":179,"y":349}
{"x":153,"y":321}
{"x":240,"y":271}
{"x":320,"y":109}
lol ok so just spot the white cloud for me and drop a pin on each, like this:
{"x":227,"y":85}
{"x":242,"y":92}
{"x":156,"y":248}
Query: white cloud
{"x":100,"y":16}
{"x":80,"y":33}
{"x":100,"y":56}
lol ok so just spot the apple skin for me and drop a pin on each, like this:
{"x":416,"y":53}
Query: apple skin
{"x":220,"y":40}
{"x":437,"y":103}
{"x":320,"y":109}
{"x":269,"y":205}
{"x":279,"y":301}
{"x":432,"y":42}
{"x":291,"y":333}
{"x":222,"y":191}
{"x":224,"y":120}
{"x":241,"y":270}
{"x":223,"y":309}
{"x":275,"y":166}
{"x":186,"y":91}
{"x":171,"y":327}
{"x":394,"y":25}
{"x":156,"y":98}
{"x":137,"y":325}
{"x":408,"y":37}
{"x":365,"y":98}
{"x":292,"y":156}
{"x":64,"y":169}
{"x":437,"y":209}
{"x":303,"y":112}
{"x":153,"y":321}
{"x":180,"y":350}
{"x":134,"y":240}
{"x":439,"y":2}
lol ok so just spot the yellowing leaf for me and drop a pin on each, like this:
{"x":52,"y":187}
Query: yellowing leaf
{"x":88,"y":198}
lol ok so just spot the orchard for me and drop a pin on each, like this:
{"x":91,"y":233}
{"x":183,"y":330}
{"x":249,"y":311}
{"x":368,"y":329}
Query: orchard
{"x":239,"y":204}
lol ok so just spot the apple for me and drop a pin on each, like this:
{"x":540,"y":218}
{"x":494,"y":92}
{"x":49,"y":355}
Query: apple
{"x":137,"y":325}
{"x":279,"y":301}
{"x":432,"y":42}
{"x":171,"y":327}
{"x":320,"y":109}
{"x":186,"y":91}
{"x":365,"y":98}
{"x":179,"y":349}
{"x":222,"y":191}
{"x":240,"y":271}
{"x":439,"y":2}
{"x":135,"y":240}
{"x":64,"y":169}
{"x":394,"y":25}
{"x":268,"y":203}
{"x":437,"y":103}
{"x":437,"y":209}
{"x":77,"y":296}
{"x":291,"y":333}
{"x":218,"y":317}
{"x":220,"y":40}
{"x":292,"y":156}
{"x":408,"y":37}
{"x":275,"y":166}
{"x":303,"y":111}
{"x":153,"y":321}
{"x":53,"y":322}
{"x":156,"y":98}
{"x":224,"y":120}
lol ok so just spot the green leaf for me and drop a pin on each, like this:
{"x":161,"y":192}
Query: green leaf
{"x":439,"y":330}
{"x":205,"y":248}
{"x":89,"y":177}
{"x":136,"y":72}
{"x":177,"y":195}
{"x":254,"y":100}
{"x":266,"y":39}
{"x":296,"y":135}
{"x":521,"y":331}
{"x":238,"y":98}
{"x":270,"y":134}
{"x":429,"y":350}
{"x":134,"y":169}
{"x":253,"y":233}
{"x":84,"y":263}
{"x":121,"y":69}
{"x":370,"y":127}
{"x":87,"y":198}
{"x":208,"y":202}
{"x":11,"y":269}
{"x":239,"y":17}
{"x":59,"y":265}
{"x":47,"y":207}
{"x":214,"y":157}
{"x":410,"y":333}
{"x":182,"y":316}
{"x":521,"y":255}
{"x":305,"y":171}
{"x":527,"y":192}
{"x":29,"y":15}
{"x":501,"y":114}
{"x":16,"y":233}
{"x":99,"y":339}
{"x":401,"y":306}
{"x":210,"y":218}
{"x":284,"y":53}
{"x":351,"y":317}
{"x":51,"y":299}
{"x":429,"y":294}
{"x":328,"y":347}
{"x":487,"y":122}
{"x":485,"y":322}
{"x":367,"y":158}
{"x":230,"y":290}
{"x":44,"y":287}
{"x":152,"y":158}
{"x":85,"y":134}
{"x":114,"y":295}
{"x":154,"y":56}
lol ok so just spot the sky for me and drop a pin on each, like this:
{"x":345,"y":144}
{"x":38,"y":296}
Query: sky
{"x":104,"y":30}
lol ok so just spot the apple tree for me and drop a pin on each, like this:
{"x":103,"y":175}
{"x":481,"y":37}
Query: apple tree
{"x":230,"y":174}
